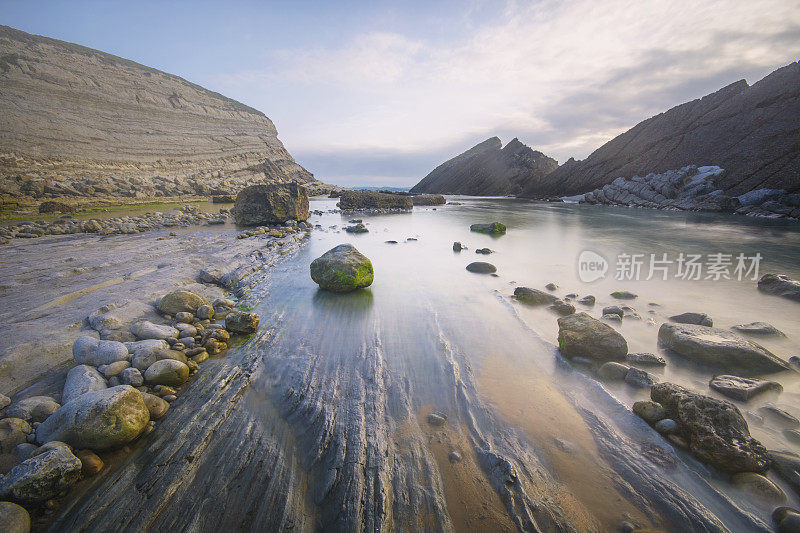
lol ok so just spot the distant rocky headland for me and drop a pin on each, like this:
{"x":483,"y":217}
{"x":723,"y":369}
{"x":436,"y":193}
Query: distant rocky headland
{"x":79,"y":123}
{"x":749,"y":134}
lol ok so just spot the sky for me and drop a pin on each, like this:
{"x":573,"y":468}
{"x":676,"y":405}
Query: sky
{"x":380,"y":93}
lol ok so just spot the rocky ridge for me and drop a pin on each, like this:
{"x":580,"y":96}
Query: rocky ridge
{"x":77,"y":122}
{"x":488,"y":169}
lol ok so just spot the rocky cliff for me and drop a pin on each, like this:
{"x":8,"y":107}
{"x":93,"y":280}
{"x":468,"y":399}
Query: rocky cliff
{"x":488,"y":169}
{"x":79,"y":122}
{"x":751,"y":132}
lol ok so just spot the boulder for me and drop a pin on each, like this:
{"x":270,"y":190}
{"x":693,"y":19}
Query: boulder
{"x":241,"y":322}
{"x":14,"y":518}
{"x":699,"y":319}
{"x":740,"y":388}
{"x":612,"y":371}
{"x":780,"y":285}
{"x":495,"y":228}
{"x":167,"y":372}
{"x":759,"y":328}
{"x":97,"y":420}
{"x":33,"y":409}
{"x":90,"y":351}
{"x":533,"y":296}
{"x":262,"y":205}
{"x":580,"y":335}
{"x":715,"y":430}
{"x":718,"y":347}
{"x":43,"y":476}
{"x":13,"y":432}
{"x":374,"y":200}
{"x":157,"y":406}
{"x":342,"y":269}
{"x":180,"y":301}
{"x":480,"y":267}
{"x":148,"y":330}
{"x":80,"y":380}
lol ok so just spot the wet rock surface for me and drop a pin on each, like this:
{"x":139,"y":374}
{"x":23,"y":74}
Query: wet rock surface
{"x":580,"y":335}
{"x":342,"y":269}
{"x":780,"y":285}
{"x":715,"y":430}
{"x":742,"y":389}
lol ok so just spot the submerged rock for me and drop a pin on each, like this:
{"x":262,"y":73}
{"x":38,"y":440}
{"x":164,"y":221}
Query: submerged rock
{"x":740,"y":388}
{"x":715,"y":430}
{"x":533,"y":296}
{"x":623,"y":295}
{"x":612,"y":371}
{"x":480,"y":267}
{"x":780,"y":285}
{"x":699,"y":319}
{"x":43,"y":476}
{"x":645,"y":359}
{"x":90,"y":351}
{"x":97,"y":420}
{"x":759,"y":328}
{"x":563,"y":308}
{"x":262,"y":205}
{"x":758,"y":487}
{"x":181,"y":301}
{"x":580,"y":335}
{"x":342,"y":269}
{"x":718,"y":347}
{"x":787,"y":466}
{"x":495,"y":228}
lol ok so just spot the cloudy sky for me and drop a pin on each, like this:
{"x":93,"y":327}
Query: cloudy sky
{"x":380,"y":93}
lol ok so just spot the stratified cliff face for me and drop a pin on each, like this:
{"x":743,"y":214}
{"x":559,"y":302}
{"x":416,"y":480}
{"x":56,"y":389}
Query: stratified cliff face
{"x":751,"y":132}
{"x":79,"y":122}
{"x":488,"y":170}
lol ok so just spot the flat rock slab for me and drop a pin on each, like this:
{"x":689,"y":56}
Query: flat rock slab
{"x":759,"y":328}
{"x":780,"y":285}
{"x":719,"y":347}
{"x":740,"y":388}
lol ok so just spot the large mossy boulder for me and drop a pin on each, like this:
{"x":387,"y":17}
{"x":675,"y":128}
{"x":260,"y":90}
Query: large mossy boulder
{"x":342,"y":269}
{"x":97,"y":420}
{"x":718,"y":347}
{"x":43,"y":476}
{"x":262,"y":205}
{"x":181,"y":301}
{"x":495,"y":228}
{"x":716,"y":431}
{"x":374,"y":200}
{"x":580,"y":335}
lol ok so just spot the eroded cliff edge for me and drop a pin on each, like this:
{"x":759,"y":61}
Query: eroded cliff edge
{"x":79,"y":122}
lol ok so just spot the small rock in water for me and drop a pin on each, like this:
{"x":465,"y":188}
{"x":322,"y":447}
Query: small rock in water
{"x":92,"y":464}
{"x":612,"y":317}
{"x":454,"y":457}
{"x":495,"y":228}
{"x":390,"y":242}
{"x":639,"y":378}
{"x":480,"y":267}
{"x":613,"y":310}
{"x":587,"y":300}
{"x":792,"y":435}
{"x":778,"y":417}
{"x":698,"y":319}
{"x":437,"y":419}
{"x":666,"y":426}
{"x":650,"y":412}
{"x":240,"y":322}
{"x":457,"y":247}
{"x":563,"y":308}
{"x":342,"y":269}
{"x":758,"y":486}
{"x":623,"y":295}
{"x":740,"y":388}
{"x":759,"y":328}
{"x":645,"y":359}
{"x":612,"y":371}
{"x":483,"y":251}
{"x":533,"y":296}
{"x":357,"y":228}
{"x":580,"y":335}
{"x":551,"y":286}
{"x":780,"y":285}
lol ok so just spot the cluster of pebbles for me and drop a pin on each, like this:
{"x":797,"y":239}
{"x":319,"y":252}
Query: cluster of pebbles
{"x":113,"y":396}
{"x":184,"y":216}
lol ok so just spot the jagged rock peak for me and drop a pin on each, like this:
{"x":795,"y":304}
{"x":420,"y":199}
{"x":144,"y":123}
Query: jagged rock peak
{"x":488,"y":169}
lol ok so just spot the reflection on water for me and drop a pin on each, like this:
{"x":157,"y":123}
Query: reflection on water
{"x":440,"y":330}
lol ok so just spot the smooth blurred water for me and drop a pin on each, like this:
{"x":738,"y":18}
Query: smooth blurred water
{"x":422,"y":296}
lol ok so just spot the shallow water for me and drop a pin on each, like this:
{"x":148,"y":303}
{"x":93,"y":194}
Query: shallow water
{"x":357,"y":374}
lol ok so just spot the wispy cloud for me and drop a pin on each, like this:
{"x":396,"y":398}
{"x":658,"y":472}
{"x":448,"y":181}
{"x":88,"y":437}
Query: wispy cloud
{"x":564,"y":76}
